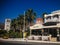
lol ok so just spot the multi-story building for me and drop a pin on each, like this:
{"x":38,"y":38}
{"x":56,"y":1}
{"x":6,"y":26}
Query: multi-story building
{"x":52,"y":24}
{"x":50,"y":29}
{"x":53,"y":17}
{"x":7,"y":24}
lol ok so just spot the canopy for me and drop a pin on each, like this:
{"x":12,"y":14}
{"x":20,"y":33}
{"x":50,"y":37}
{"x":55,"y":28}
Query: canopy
{"x":36,"y":26}
{"x":40,"y":26}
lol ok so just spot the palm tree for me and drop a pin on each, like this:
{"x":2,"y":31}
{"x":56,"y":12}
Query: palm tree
{"x":30,"y":16}
{"x":14,"y":24}
{"x":20,"y":20}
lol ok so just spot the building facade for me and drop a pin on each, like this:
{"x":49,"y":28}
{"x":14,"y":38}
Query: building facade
{"x":50,"y":28}
{"x":53,"y":17}
{"x":52,"y":24}
{"x":39,"y":21}
{"x":7,"y":24}
{"x":36,"y":30}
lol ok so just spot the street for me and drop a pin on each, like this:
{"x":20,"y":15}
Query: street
{"x":24,"y":43}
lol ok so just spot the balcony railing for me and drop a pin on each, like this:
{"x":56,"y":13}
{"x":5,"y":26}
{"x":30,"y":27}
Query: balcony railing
{"x":52,"y":20}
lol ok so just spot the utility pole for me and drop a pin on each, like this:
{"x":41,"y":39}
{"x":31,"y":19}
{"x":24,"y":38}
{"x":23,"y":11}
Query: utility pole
{"x":24,"y":26}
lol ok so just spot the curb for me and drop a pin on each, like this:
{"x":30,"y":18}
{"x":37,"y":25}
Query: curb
{"x":32,"y":41}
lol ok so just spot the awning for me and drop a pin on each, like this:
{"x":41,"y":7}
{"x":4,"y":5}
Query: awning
{"x":36,"y":26}
{"x":40,"y":26}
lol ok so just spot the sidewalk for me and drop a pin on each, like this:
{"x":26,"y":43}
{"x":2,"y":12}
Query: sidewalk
{"x":22,"y":40}
{"x":42,"y":41}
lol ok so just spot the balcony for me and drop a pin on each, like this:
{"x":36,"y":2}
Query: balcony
{"x":48,"y":20}
{"x":55,"y":20}
{"x":52,"y":20}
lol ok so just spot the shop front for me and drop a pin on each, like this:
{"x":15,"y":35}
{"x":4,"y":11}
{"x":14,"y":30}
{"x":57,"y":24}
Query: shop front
{"x":37,"y":33}
{"x":46,"y":33}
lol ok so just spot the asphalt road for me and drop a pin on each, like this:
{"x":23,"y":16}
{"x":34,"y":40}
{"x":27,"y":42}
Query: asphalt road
{"x":25,"y":43}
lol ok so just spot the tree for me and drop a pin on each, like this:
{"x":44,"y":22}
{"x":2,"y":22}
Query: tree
{"x":4,"y":34}
{"x":30,"y":16}
{"x":14,"y":24}
{"x":11,"y":33}
{"x":20,"y":20}
{"x":18,"y":23}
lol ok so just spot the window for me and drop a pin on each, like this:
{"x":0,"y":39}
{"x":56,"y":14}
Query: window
{"x":8,"y":20}
{"x":46,"y":32}
{"x":56,"y":16}
{"x":49,"y":17}
{"x":36,"y":32}
{"x":7,"y":25}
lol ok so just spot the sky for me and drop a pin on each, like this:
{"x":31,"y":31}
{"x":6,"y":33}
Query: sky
{"x":12,"y":8}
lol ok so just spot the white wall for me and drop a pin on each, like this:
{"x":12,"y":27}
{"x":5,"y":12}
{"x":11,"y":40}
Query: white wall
{"x":7,"y":24}
{"x":52,"y":19}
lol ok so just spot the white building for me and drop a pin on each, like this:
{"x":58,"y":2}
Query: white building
{"x":53,"y":17}
{"x":52,"y":23}
{"x":7,"y":24}
{"x":50,"y":28}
